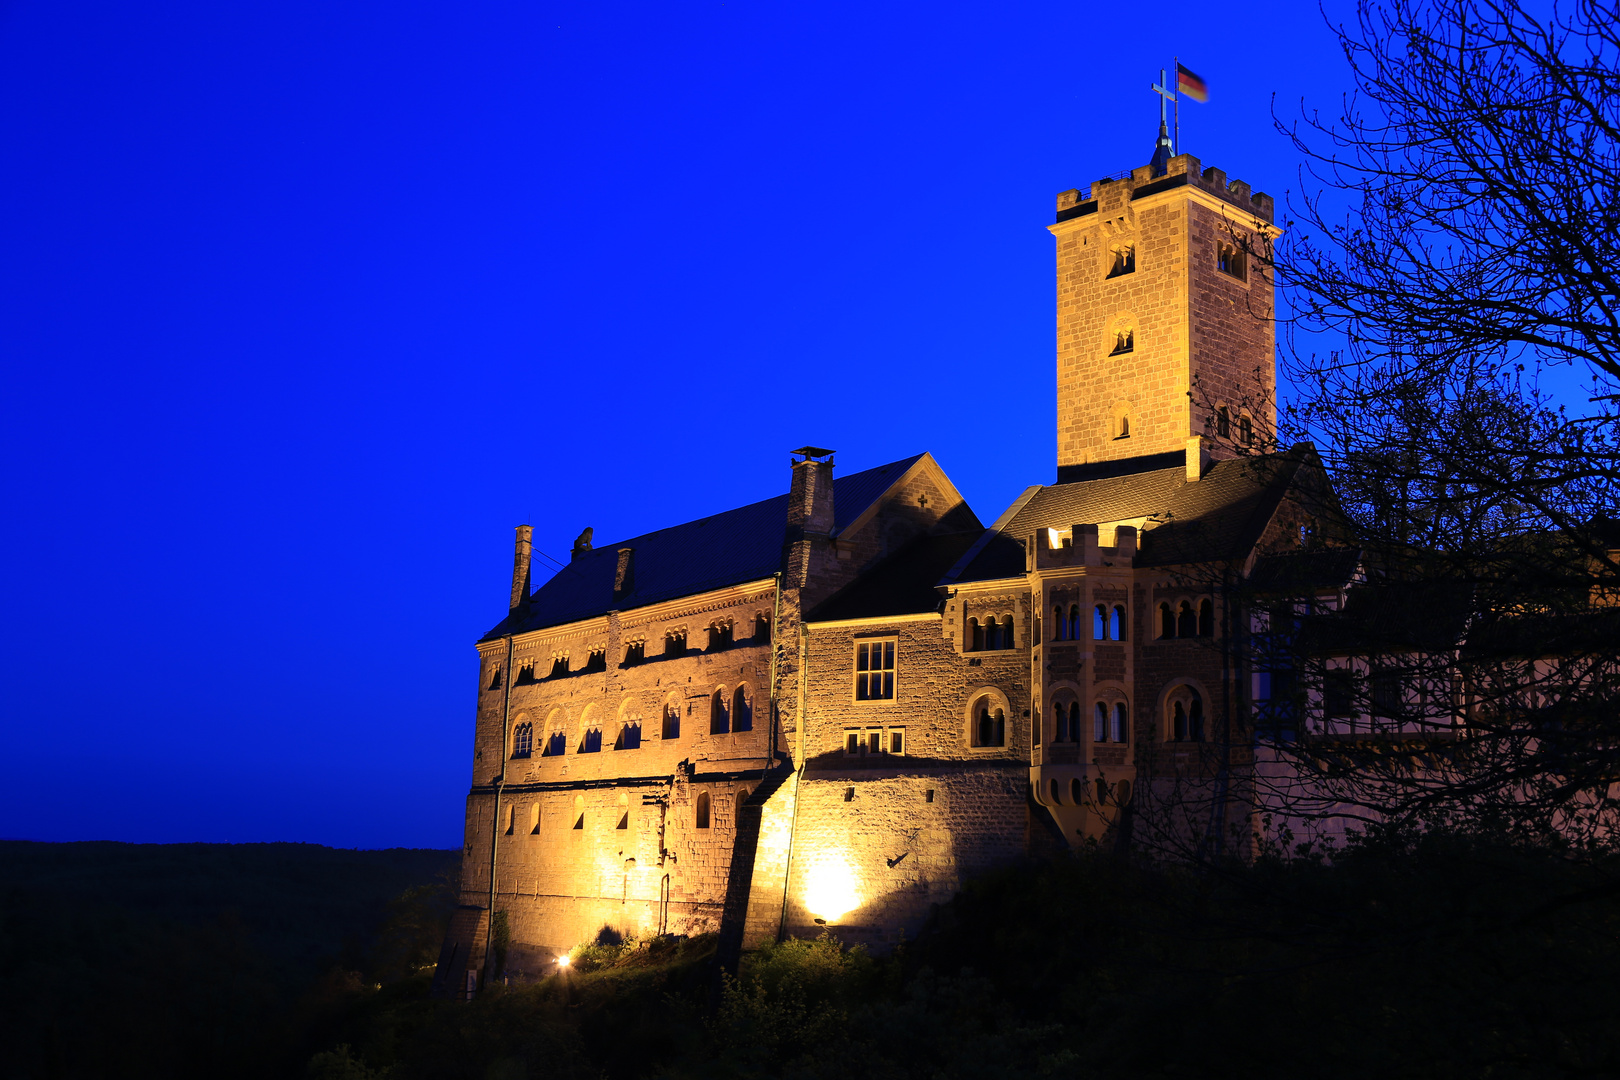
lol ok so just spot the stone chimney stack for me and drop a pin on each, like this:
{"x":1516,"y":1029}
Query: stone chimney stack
{"x":520,"y":566}
{"x":810,"y":500}
{"x":624,"y":576}
{"x":809,"y":515}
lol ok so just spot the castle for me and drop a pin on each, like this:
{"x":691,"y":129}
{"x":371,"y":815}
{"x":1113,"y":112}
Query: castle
{"x":832,"y":707}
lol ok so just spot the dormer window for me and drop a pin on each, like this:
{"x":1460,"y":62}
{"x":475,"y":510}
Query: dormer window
{"x":1124,"y":261}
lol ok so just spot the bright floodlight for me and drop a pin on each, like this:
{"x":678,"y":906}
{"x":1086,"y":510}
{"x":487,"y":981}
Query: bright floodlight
{"x":830,"y":891}
{"x":562,"y":961}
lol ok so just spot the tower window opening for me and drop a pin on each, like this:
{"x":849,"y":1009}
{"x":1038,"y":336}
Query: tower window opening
{"x":672,"y":722}
{"x":523,"y":740}
{"x":1223,"y":422}
{"x":1124,"y":260}
{"x":1186,"y":621}
{"x":1124,"y":427}
{"x":1167,"y":621}
{"x":1057,"y":622}
{"x":1245,"y":431}
{"x":975,"y":636}
{"x":1231,"y":261}
{"x":1074,"y":622}
{"x":1061,"y":732}
{"x":742,"y":713}
{"x":1116,"y":623}
{"x":1121,"y":722}
{"x":1124,"y":342}
{"x":1074,"y":721}
{"x":1099,"y":623}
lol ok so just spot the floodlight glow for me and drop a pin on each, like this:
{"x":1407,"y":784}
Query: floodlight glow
{"x":830,"y":890}
{"x":562,"y":961}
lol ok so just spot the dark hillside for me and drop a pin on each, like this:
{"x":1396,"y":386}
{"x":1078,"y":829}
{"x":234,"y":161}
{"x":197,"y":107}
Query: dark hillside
{"x":197,"y":959}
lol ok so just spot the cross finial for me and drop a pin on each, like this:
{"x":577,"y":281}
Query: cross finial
{"x":1163,"y":150}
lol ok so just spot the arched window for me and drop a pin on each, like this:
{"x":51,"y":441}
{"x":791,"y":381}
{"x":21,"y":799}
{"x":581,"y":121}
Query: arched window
{"x":1223,"y":422}
{"x":1074,"y":622}
{"x":975,"y":636}
{"x":1116,"y":624}
{"x":672,"y":721}
{"x":1077,"y":791}
{"x":1099,"y":727}
{"x":742,"y":713}
{"x":1099,"y":623}
{"x":1124,"y":261}
{"x":989,"y":725}
{"x":1124,"y":426}
{"x":523,"y":740}
{"x":1007,"y":632}
{"x":1245,"y":430}
{"x":1057,"y":623}
{"x":1062,"y":733}
{"x":992,"y":633}
{"x":1121,"y":722}
{"x":719,"y":722}
{"x":1206,"y":619}
{"x":1167,"y":621}
{"x":1186,"y":720}
{"x":1186,"y":621}
{"x":591,"y":741}
{"x":703,"y":810}
{"x":629,"y":736}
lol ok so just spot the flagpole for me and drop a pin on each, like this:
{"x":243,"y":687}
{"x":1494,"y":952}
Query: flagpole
{"x":1176,"y":141}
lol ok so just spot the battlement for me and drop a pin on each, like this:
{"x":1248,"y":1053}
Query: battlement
{"x":1184,"y":170}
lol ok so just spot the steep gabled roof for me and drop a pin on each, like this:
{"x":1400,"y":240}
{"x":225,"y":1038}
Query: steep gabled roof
{"x":1219,"y":516}
{"x":902,"y":584}
{"x":723,"y":549}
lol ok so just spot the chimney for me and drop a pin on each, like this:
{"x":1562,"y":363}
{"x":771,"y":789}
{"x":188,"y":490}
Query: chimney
{"x":624,"y":577}
{"x":810,"y":499}
{"x":1125,"y":542}
{"x":520,"y":566}
{"x":1195,"y":457}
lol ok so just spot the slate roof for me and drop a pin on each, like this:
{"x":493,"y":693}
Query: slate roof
{"x":723,"y":549}
{"x":1218,"y":516}
{"x":902,"y":584}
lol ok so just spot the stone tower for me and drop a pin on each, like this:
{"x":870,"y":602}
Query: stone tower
{"x":1165,"y":344}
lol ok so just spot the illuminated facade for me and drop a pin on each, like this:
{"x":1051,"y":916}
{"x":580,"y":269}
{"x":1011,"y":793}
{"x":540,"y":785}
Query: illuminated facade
{"x":834,"y":706}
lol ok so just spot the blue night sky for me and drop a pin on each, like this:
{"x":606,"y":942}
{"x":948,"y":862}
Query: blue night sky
{"x":306,"y":305}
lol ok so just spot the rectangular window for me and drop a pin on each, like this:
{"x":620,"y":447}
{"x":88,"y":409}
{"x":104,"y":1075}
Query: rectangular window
{"x":852,"y":743}
{"x":874,"y":740}
{"x":1387,"y":697}
{"x":1339,"y":692}
{"x":874,"y":670}
{"x":897,"y":740}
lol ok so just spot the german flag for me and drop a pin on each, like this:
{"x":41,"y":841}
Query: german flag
{"x":1191,"y":85}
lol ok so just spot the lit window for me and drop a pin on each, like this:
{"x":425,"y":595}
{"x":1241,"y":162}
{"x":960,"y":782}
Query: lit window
{"x":874,"y":670}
